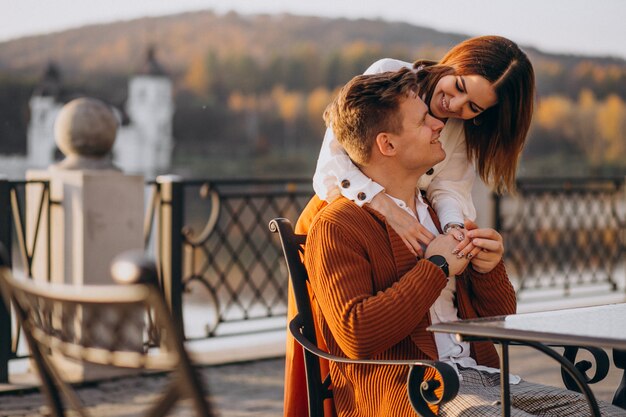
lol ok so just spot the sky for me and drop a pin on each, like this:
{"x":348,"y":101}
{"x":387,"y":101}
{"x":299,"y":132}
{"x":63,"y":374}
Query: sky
{"x":588,"y":27}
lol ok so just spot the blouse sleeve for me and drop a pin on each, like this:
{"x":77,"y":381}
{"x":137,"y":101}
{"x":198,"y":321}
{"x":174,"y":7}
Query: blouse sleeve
{"x":335,"y":173}
{"x":450,"y":191}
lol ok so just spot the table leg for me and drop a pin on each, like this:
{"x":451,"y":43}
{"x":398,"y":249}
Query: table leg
{"x":505,"y":392}
{"x":619,"y":359}
{"x":573,"y":372}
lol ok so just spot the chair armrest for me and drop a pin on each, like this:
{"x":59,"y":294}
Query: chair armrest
{"x":421,"y":392}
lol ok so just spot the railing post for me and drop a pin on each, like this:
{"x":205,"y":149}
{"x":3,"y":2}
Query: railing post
{"x":5,"y":312}
{"x":171,"y":245}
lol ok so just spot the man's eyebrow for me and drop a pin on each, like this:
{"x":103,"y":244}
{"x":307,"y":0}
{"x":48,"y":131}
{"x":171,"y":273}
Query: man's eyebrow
{"x":465,"y":88}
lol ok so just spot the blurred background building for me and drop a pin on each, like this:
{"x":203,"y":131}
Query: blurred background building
{"x":144,"y":139}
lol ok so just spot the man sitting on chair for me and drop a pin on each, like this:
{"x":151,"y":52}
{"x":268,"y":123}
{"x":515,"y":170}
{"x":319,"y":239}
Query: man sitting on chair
{"x":372,"y":297}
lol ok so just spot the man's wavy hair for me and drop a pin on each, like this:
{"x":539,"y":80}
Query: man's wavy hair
{"x":366,"y":106}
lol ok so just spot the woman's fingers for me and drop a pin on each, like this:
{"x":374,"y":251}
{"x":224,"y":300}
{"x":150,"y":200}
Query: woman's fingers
{"x":424,"y":235}
{"x":415,"y":238}
{"x":412,"y":233}
{"x":468,"y":248}
{"x":474,"y":252}
{"x":412,"y":248}
{"x":488,"y":244}
{"x":484,"y":233}
{"x":457,"y":233}
{"x":470,"y":225}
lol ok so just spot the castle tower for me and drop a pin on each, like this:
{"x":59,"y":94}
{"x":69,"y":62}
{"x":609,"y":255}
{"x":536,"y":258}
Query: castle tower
{"x":44,"y":107}
{"x":150,"y":108}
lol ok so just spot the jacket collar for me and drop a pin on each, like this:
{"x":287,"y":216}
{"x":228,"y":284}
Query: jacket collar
{"x":404,"y":261}
{"x":402,"y":256}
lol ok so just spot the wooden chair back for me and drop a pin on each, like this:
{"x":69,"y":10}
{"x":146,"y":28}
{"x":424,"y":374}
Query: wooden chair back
{"x":103,"y":325}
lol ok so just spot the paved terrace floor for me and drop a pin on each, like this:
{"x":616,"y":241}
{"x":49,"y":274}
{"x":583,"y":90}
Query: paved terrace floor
{"x":243,"y":387}
{"x":253,"y":388}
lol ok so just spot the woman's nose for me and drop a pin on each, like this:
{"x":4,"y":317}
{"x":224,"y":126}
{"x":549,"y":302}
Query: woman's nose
{"x":456,"y":105}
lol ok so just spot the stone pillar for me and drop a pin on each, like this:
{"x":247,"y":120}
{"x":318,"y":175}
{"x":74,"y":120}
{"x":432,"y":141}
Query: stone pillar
{"x":96,"y":211}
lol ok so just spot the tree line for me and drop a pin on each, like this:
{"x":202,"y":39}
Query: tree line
{"x":250,"y":91}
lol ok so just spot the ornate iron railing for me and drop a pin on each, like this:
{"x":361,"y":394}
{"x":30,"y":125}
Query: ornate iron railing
{"x":221,"y":270}
{"x":23,"y":231}
{"x":220,"y":267}
{"x":564,"y":235}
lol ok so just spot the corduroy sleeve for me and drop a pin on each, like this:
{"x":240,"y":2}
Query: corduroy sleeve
{"x":364,"y":321}
{"x":492,"y":293}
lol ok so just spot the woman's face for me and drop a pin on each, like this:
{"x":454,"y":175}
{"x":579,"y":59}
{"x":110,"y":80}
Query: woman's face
{"x":462,"y":97}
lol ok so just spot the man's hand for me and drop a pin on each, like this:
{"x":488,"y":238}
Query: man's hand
{"x":411,"y":231}
{"x":488,"y":247}
{"x":444,"y":245}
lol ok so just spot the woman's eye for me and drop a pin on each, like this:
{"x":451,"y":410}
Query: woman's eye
{"x":458,"y":86}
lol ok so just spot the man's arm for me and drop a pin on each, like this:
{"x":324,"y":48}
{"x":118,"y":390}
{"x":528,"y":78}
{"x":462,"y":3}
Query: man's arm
{"x":492,"y":293}
{"x":364,"y":321}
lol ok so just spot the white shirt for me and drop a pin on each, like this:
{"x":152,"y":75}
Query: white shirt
{"x":448,"y":188}
{"x":450,"y":350}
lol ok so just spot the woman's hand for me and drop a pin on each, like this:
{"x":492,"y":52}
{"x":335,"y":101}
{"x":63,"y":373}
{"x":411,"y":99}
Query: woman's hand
{"x":442,"y":245}
{"x":412,"y":233}
{"x":487,"y":247}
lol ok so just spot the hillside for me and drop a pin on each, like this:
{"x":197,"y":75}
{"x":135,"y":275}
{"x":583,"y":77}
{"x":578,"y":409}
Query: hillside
{"x":118,"y":47}
{"x":115,"y":47}
{"x":255,"y":86}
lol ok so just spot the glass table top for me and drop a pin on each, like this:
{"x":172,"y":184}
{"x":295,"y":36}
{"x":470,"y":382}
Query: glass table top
{"x":603,"y":326}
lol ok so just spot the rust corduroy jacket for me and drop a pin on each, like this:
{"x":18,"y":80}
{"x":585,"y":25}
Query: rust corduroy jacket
{"x":372,"y":299}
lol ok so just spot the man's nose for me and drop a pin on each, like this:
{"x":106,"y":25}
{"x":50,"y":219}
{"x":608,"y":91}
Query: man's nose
{"x":435,"y":124}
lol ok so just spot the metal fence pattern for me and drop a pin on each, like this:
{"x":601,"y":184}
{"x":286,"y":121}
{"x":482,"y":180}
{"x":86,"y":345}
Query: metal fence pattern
{"x":230,"y":269}
{"x":564,"y":235}
{"x":221,"y":270}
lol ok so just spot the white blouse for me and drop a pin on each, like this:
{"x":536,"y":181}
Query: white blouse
{"x":450,"y":350}
{"x":448,"y":188}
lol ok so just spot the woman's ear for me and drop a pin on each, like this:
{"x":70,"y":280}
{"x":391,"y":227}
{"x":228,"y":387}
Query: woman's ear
{"x":385,"y":144}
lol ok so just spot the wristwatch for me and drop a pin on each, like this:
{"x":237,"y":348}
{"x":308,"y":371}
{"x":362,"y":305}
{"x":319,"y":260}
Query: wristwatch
{"x":441,"y":262}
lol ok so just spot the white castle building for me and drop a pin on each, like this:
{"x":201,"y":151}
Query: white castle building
{"x":144,"y":138}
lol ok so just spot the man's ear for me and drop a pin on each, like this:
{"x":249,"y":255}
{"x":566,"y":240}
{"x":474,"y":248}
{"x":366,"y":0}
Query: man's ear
{"x":385,"y":144}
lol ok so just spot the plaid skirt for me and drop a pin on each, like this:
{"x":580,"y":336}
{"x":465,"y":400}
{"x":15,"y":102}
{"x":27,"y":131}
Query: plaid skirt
{"x":479,"y":395}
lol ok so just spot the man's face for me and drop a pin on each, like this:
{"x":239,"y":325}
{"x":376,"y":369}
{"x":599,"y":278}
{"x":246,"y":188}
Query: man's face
{"x":418,"y":141}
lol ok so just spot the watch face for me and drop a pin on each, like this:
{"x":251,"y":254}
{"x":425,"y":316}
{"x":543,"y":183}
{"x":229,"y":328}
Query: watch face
{"x":441,"y":262}
{"x":438,"y":260}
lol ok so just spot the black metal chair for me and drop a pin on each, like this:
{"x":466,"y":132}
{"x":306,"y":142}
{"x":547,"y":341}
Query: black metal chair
{"x":421,"y":392}
{"x":102,"y":325}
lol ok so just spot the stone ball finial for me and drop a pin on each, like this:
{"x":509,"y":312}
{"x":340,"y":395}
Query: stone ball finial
{"x":85,"y":131}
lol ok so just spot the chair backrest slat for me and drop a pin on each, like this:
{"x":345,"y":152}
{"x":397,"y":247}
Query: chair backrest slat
{"x":293,"y":249}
